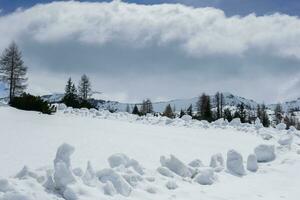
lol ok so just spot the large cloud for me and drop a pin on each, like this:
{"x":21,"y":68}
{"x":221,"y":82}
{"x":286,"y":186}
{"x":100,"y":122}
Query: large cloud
{"x":161,"y":51}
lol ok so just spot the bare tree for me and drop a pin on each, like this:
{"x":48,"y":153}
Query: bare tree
{"x":13,"y":71}
{"x":84,"y":87}
{"x":146,"y":107}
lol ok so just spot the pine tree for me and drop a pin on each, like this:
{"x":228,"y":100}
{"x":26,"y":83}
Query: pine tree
{"x":204,"y":108}
{"x":218,"y":105}
{"x":181,"y":113}
{"x":84,"y":88}
{"x":13,"y":71}
{"x":168,"y":112}
{"x":146,"y":107}
{"x":228,"y":115}
{"x":278,"y":113}
{"x":135,"y":110}
{"x":242,"y":112}
{"x":70,"y":98}
{"x":68,"y":87}
{"x":264,"y":116}
{"x":189,"y":111}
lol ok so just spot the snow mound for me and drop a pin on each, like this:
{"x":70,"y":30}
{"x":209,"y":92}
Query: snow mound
{"x":186,"y":118}
{"x":171,"y":185}
{"x":235,"y":163}
{"x":265,"y":153}
{"x":205,"y":177}
{"x":281,"y":126}
{"x":89,"y":177}
{"x":119,"y":183}
{"x":176,"y":166}
{"x":286,"y":140}
{"x":165,"y":172}
{"x":252,"y":163}
{"x":217,"y":162}
{"x":4,"y":185}
{"x":236,"y":122}
{"x":196,"y":163}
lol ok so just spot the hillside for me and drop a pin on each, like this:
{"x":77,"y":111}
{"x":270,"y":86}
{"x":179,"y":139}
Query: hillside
{"x":96,"y":135}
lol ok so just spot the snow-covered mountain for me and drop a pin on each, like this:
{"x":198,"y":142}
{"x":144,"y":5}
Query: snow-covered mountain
{"x":288,"y":105}
{"x":230,"y":100}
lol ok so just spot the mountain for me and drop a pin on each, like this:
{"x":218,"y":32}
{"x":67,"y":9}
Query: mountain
{"x":230,"y":100}
{"x":288,"y":105}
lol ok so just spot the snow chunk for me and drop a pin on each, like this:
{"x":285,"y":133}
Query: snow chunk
{"x":4,"y":185}
{"x":235,"y":163}
{"x":252,"y":163}
{"x":186,"y":118}
{"x":63,"y":174}
{"x":89,"y":177}
{"x":217,"y":162}
{"x":196,"y":163}
{"x":265,"y":153}
{"x":286,"y":140}
{"x":78,"y":172}
{"x":165,"y":172}
{"x":206,"y":177}
{"x":63,"y":154}
{"x":26,"y":173}
{"x":258,"y":124}
{"x":61,"y":106}
{"x":281,"y":126}
{"x":171,"y":185}
{"x":176,"y":166}
{"x":117,"y":160}
{"x":119,"y":183}
{"x":109,"y":189}
{"x":235,"y":122}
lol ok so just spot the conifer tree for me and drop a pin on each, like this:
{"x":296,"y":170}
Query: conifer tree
{"x":228,"y":115}
{"x":135,"y":110}
{"x":278,"y":113}
{"x":84,"y":88}
{"x":181,"y":113}
{"x":189,"y":111}
{"x":168,"y":112}
{"x":204,"y":108}
{"x":13,"y":71}
{"x":146,"y":107}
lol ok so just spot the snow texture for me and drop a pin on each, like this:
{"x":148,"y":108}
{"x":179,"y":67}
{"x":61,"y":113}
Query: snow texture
{"x":235,"y":163}
{"x":252,"y":163}
{"x":176,"y":166}
{"x":265,"y":153}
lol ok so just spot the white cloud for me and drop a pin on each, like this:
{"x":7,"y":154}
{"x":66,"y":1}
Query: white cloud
{"x":166,"y":38}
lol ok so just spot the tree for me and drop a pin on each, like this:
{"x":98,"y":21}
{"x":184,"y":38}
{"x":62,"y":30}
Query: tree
{"x":278,"y":113}
{"x":168,"y":112}
{"x":219,"y":103}
{"x":13,"y":71}
{"x":204,"y":108}
{"x":264,"y":116}
{"x":135,"y":110}
{"x":146,"y":107}
{"x":71,"y":98}
{"x":189,"y":111}
{"x":181,"y":113}
{"x":228,"y":115}
{"x":242,"y":112}
{"x":128,"y":108}
{"x":84,"y":88}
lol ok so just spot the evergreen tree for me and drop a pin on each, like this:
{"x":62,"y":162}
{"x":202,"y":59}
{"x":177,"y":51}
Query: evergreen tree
{"x":168,"y":112}
{"x":242,"y":112}
{"x":258,"y":112}
{"x":70,"y":98}
{"x":135,"y":110}
{"x":181,"y":113}
{"x":278,"y":113}
{"x":13,"y":71}
{"x":264,"y":116}
{"x":228,"y":115}
{"x":146,"y":107}
{"x":189,"y":111}
{"x":204,"y":108}
{"x":84,"y":88}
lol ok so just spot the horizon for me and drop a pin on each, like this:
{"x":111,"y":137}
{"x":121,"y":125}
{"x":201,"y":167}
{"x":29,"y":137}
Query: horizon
{"x":132,"y":56}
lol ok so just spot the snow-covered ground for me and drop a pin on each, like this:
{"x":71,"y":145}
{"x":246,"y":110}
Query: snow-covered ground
{"x":136,"y":169}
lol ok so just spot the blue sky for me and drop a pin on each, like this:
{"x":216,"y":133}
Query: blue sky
{"x":230,"y":7}
{"x":132,"y":52}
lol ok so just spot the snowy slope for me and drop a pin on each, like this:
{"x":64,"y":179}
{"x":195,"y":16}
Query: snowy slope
{"x":29,"y":138}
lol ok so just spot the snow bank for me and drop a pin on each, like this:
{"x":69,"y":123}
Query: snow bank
{"x":281,"y":126}
{"x":265,"y":153}
{"x":117,"y":160}
{"x":235,"y":163}
{"x":176,"y":166}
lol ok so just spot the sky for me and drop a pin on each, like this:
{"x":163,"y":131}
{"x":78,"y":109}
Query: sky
{"x":148,"y":49}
